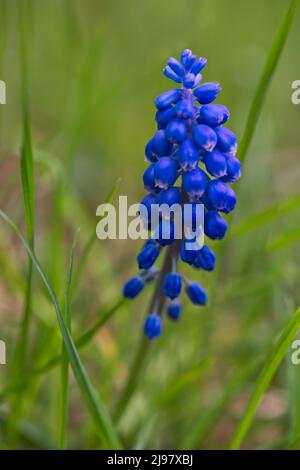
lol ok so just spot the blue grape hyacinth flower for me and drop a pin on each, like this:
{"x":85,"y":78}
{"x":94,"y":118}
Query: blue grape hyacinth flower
{"x":192,"y":160}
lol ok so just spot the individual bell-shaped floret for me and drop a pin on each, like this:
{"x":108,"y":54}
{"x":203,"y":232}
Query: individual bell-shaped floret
{"x":148,"y":178}
{"x":189,"y":250}
{"x":165,"y":172}
{"x":165,"y":232}
{"x":215,"y":226}
{"x":213,"y":114}
{"x":145,"y":209}
{"x":215,"y":163}
{"x":205,"y":137}
{"x":148,"y":255}
{"x":196,"y":293}
{"x":157,"y":146}
{"x":133,"y":287}
{"x":194,"y":182}
{"x":153,"y":326}
{"x":205,"y":259}
{"x":220,"y":196}
{"x":188,"y":155}
{"x":167,"y":98}
{"x":172,"y":285}
{"x":234,"y":169}
{"x":226,"y":140}
{"x":174,"y":309}
{"x":176,"y":131}
{"x":207,"y":92}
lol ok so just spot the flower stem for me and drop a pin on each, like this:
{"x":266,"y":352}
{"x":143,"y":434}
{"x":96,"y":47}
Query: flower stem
{"x":157,"y":301}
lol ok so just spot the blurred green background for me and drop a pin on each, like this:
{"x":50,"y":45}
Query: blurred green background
{"x":94,"y":70}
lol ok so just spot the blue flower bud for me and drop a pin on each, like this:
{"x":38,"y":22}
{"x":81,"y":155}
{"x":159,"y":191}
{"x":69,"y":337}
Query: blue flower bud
{"x":220,"y":196}
{"x":185,"y":109}
{"x":207,"y":92}
{"x":215,"y":226}
{"x":188,"y":255}
{"x":211,"y":114}
{"x":147,"y":202}
{"x":192,"y":216}
{"x":150,"y":156}
{"x":215,"y":163}
{"x":191,"y":81}
{"x":194,"y":182}
{"x":198,"y":65}
{"x":174,"y":309}
{"x":187,"y":59}
{"x":147,"y":257}
{"x":205,"y":137}
{"x":163,"y":117}
{"x":234,"y":169}
{"x":157,"y":146}
{"x":172,"y":285}
{"x":165,"y":232}
{"x":176,"y":66}
{"x":176,"y":131}
{"x":169,"y":196}
{"x":148,"y":178}
{"x":196,"y":293}
{"x":225,"y":111}
{"x":205,"y":259}
{"x":169,"y":73}
{"x":188,"y":155}
{"x":167,"y":98}
{"x":165,"y":172}
{"x":133,"y":287}
{"x":226,"y":140}
{"x":153,"y":326}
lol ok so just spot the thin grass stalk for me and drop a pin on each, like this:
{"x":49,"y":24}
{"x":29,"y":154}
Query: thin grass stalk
{"x":27,"y":178}
{"x":65,"y":359}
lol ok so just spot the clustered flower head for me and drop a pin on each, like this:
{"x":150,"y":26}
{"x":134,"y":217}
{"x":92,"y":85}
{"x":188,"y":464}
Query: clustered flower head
{"x":193,"y":143}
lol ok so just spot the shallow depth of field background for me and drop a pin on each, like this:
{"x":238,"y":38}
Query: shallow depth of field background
{"x":94,"y":69}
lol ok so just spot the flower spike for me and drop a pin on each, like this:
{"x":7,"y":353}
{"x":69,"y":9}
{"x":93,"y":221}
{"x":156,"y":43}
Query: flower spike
{"x":191,"y":160}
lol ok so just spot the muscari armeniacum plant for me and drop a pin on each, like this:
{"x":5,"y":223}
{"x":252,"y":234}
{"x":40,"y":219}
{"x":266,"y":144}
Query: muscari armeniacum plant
{"x":191,"y":143}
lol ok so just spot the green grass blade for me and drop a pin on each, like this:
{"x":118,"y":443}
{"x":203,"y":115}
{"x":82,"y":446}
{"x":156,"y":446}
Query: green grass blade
{"x":27,"y":178}
{"x":82,"y":341}
{"x":190,"y":376}
{"x":267,"y":74}
{"x":64,"y":356}
{"x":286,"y":239}
{"x":272,"y":364}
{"x":268,"y":215}
{"x":95,"y":406}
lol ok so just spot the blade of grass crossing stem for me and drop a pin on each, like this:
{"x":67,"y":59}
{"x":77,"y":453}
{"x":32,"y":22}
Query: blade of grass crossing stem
{"x":82,"y":341}
{"x":95,"y":406}
{"x":64,"y":356}
{"x":268,"y":71}
{"x":272,"y":364}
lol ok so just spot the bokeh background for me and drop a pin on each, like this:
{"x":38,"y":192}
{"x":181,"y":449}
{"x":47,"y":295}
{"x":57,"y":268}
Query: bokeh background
{"x":94,"y":70}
